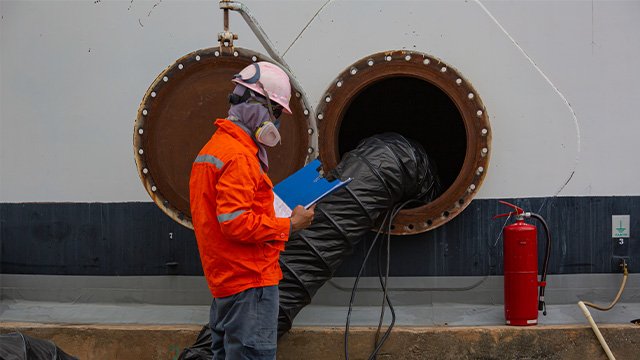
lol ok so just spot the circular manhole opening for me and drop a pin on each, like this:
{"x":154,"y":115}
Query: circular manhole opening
{"x":423,"y":99}
{"x":176,"y":118}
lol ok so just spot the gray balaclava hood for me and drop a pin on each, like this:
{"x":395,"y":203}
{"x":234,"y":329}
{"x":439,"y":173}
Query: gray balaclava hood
{"x":251,"y":115}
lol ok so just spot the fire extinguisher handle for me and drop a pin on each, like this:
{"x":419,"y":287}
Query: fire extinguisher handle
{"x":517,"y":210}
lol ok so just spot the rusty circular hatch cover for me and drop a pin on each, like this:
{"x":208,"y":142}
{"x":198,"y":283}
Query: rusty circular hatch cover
{"x":176,"y":118}
{"x":422,"y":79}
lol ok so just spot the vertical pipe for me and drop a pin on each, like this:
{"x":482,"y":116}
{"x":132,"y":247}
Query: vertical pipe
{"x":227,"y":5}
{"x":226,"y":20}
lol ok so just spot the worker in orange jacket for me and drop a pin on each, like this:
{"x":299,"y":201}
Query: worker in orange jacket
{"x":239,"y":236}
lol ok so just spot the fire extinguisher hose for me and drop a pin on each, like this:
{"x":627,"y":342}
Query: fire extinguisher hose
{"x":541,"y":304}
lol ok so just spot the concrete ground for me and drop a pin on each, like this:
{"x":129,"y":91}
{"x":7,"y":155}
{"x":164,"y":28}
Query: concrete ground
{"x":140,"y":342}
{"x":107,"y":322}
{"x":319,"y":332}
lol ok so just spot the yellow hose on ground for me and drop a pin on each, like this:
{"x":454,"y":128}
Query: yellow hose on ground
{"x":587,"y":314}
{"x":624,"y":281}
{"x":596,"y":330}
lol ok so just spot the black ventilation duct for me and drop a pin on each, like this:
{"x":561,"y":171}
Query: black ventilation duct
{"x":386,"y":170}
{"x":18,"y":346}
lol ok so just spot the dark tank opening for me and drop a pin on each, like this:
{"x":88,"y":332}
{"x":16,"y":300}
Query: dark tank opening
{"x":415,"y":109}
{"x":423,"y":99}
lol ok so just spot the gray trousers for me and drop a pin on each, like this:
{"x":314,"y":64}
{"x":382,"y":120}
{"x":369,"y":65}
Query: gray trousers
{"x":245,"y":325}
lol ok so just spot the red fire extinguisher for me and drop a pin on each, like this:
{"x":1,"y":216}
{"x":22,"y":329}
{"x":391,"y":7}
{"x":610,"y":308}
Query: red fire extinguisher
{"x":521,"y":299}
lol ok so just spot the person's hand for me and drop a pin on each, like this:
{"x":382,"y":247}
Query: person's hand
{"x":301,"y":217}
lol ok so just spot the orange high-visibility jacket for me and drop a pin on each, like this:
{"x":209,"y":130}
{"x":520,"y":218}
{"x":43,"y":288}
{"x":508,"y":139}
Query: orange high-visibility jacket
{"x":239,"y":236}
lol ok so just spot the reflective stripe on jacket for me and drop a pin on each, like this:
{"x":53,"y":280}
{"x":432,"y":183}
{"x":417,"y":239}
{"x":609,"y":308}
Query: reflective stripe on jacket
{"x":238,"y":235}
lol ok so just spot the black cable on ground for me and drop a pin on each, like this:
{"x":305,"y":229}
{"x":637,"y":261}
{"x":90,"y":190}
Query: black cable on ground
{"x":355,"y":285}
{"x":384,"y":286}
{"x":388,"y":220}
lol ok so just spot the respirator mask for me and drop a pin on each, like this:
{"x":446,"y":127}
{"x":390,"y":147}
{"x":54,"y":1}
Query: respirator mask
{"x":267,"y":133}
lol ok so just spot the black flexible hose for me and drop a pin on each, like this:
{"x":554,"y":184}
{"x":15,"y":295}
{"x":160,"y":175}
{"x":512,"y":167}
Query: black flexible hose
{"x":541,"y":303}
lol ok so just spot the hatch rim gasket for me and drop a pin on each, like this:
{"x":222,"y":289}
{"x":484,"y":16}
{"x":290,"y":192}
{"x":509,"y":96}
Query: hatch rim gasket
{"x":336,"y":100}
{"x":154,"y":91}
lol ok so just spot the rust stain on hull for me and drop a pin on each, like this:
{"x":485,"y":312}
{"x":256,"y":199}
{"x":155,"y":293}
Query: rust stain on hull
{"x":176,"y":118}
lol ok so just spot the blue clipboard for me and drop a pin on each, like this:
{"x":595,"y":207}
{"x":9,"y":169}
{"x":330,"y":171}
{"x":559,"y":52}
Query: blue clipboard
{"x":306,"y":186}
